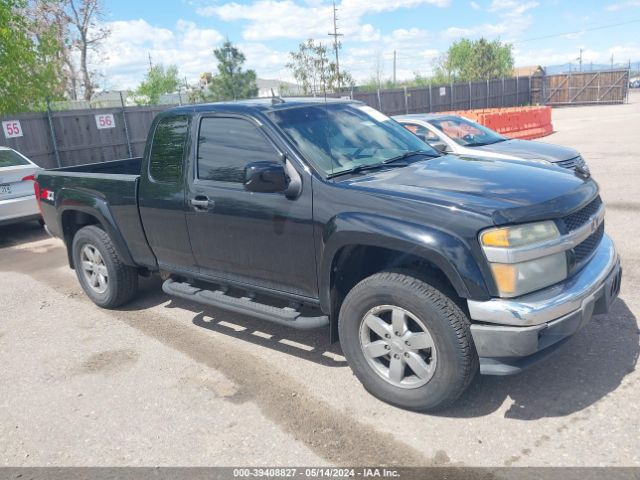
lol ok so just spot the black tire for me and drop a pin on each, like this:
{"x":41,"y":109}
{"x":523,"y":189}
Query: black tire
{"x":457,"y":360}
{"x":122,"y":283}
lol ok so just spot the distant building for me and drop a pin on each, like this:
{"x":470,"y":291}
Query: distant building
{"x":279,"y":87}
{"x":530,"y":71}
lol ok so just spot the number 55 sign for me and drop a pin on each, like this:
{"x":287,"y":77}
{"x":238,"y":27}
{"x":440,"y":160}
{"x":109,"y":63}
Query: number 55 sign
{"x":12,"y":129}
{"x":105,"y":120}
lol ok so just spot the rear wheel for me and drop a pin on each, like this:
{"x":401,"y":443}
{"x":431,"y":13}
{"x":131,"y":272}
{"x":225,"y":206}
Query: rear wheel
{"x":408,"y":343}
{"x":104,"y":278}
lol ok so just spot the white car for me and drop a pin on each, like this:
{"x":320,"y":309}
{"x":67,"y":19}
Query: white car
{"x":17,"y":196}
{"x":461,"y":136}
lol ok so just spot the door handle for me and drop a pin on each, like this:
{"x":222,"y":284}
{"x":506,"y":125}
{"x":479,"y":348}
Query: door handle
{"x":201,"y":202}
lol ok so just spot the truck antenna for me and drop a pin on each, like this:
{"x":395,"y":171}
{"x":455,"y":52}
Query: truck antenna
{"x":276,"y":99}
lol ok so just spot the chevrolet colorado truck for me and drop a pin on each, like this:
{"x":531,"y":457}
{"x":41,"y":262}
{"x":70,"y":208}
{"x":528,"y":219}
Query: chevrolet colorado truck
{"x":428,"y":268}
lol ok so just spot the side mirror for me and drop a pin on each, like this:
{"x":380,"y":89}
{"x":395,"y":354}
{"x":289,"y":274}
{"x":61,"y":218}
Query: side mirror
{"x":441,"y":147}
{"x":265,"y":177}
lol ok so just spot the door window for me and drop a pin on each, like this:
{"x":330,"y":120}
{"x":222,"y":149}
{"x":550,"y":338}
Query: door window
{"x":226,"y":145}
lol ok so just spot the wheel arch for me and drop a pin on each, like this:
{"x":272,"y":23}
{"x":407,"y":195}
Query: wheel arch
{"x":388,"y":244}
{"x":76,"y":216}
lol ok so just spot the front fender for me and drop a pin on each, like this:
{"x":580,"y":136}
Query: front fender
{"x":77,"y":200}
{"x":451,"y":254}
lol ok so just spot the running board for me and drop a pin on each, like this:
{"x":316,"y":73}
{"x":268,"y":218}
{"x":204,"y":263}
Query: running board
{"x":286,"y":316}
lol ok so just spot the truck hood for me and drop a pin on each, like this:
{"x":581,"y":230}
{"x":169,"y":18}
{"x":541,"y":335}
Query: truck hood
{"x":529,"y":150}
{"x":506,"y":191}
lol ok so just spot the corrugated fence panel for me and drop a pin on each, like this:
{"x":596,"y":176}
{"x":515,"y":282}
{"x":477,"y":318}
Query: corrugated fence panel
{"x":80,"y":140}
{"x":392,"y":102}
{"x":419,"y":100}
{"x":35,"y":141}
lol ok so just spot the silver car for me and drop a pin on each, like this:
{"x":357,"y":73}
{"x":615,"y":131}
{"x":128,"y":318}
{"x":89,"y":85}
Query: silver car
{"x":461,"y":136}
{"x":17,"y":196}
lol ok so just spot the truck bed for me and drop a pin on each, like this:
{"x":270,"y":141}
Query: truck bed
{"x":127,"y":166}
{"x":108,"y":191}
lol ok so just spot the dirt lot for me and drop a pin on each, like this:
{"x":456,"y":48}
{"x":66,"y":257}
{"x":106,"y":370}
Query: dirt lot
{"x":165,"y":382}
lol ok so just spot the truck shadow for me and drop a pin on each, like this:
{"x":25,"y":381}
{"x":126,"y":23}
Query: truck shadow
{"x":310,"y":345}
{"x":590,"y":366}
{"x":19,"y":233}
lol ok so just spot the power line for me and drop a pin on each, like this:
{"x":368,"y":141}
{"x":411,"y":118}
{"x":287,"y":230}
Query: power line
{"x":554,"y":35}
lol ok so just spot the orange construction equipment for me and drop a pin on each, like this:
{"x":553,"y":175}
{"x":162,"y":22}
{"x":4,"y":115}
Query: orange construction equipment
{"x":513,"y":122}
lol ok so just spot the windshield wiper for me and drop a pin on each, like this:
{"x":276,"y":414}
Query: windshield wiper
{"x":482,"y":144}
{"x":390,"y":162}
{"x":410,"y":154}
{"x":362,"y":168}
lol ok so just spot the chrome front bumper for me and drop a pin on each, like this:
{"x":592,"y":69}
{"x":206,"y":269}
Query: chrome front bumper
{"x":515,"y":332}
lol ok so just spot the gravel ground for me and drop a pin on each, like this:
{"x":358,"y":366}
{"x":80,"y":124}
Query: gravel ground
{"x":166,"y":382}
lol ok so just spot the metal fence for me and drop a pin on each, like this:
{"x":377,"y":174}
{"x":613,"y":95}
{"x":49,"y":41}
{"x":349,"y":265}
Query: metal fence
{"x":502,"y":92}
{"x":582,"y":88}
{"x":72,"y":137}
{"x":64,"y":138}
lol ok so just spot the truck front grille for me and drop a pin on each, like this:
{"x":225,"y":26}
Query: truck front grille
{"x":571,"y":163}
{"x":584,"y":250}
{"x":582,"y":216}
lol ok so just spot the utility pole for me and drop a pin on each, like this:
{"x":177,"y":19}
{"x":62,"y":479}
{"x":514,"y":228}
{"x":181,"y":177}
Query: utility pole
{"x":612,"y":61}
{"x":150,"y":63}
{"x":336,"y":43}
{"x":580,"y":59}
{"x":394,"y":68}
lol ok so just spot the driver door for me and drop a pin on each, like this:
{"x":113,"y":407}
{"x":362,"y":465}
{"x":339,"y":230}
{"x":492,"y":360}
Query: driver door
{"x":252,"y":238}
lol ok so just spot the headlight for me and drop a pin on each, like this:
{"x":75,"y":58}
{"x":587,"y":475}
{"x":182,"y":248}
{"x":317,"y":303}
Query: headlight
{"x":514,"y":279}
{"x":517,"y":278}
{"x":519,"y":235}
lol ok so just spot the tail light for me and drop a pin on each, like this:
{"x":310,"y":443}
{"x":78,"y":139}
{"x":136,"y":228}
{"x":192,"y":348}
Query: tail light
{"x":36,"y":189}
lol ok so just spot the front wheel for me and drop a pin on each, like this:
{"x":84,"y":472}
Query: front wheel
{"x":107,"y":281}
{"x":409,"y":344}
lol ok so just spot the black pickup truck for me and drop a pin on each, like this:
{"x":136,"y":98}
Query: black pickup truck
{"x":428,"y":268}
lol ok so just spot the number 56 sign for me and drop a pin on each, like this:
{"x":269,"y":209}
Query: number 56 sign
{"x":105,"y":120}
{"x":12,"y":129}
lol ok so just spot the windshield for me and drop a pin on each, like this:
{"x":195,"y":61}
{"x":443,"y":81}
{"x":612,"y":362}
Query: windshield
{"x":342,"y":137}
{"x":9,"y":158}
{"x":465,"y":132}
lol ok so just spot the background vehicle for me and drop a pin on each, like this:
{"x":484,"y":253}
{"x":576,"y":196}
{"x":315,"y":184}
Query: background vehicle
{"x":428,"y":268}
{"x":461,"y":136}
{"x":17,"y":198}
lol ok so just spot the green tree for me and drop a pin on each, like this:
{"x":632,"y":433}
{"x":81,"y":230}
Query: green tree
{"x":472,"y":60}
{"x":232,"y":82}
{"x":314,"y":72}
{"x":29,"y":66}
{"x":158,"y":80}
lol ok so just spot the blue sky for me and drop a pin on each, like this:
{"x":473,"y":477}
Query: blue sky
{"x":185,"y":32}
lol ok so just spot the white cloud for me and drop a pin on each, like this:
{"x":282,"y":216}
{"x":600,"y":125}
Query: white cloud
{"x":272,"y":19}
{"x":513,"y":21}
{"x":412,"y":55}
{"x":512,"y":7}
{"x":551,"y":56}
{"x":474,"y":5}
{"x":124,"y":56}
{"x":614,"y":7}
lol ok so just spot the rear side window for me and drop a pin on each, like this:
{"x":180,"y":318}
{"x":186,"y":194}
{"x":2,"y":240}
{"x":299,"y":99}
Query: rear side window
{"x":226,"y":145}
{"x":9,"y":158}
{"x":167,"y":149}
